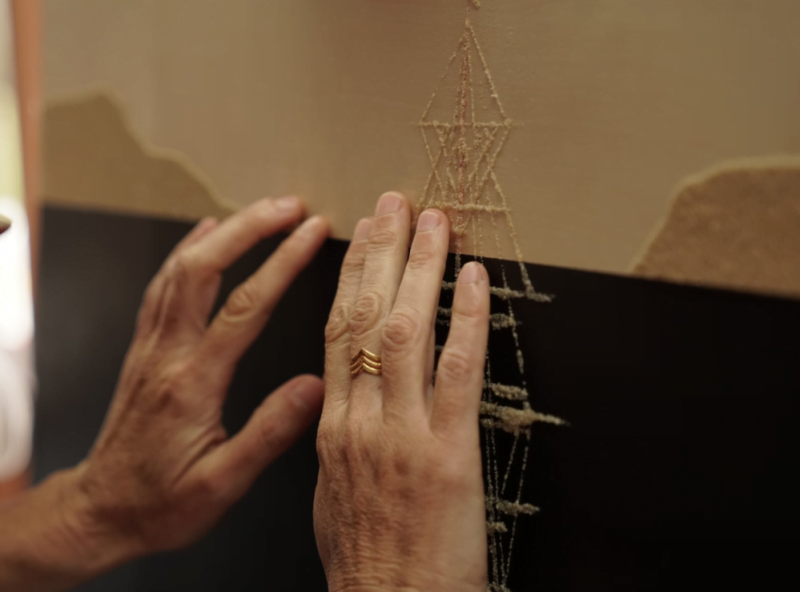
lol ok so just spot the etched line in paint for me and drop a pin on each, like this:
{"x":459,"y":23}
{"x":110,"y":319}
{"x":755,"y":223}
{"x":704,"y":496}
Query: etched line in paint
{"x":514,"y":420}
{"x":463,"y":150}
{"x":510,"y":508}
{"x":508,"y":391}
{"x":494,"y":527}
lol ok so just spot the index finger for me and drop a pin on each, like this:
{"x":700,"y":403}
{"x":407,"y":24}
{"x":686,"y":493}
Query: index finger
{"x":193,"y":281}
{"x":148,"y":313}
{"x":243,"y":230}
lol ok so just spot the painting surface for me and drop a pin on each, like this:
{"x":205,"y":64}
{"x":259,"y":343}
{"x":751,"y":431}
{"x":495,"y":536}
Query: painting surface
{"x":610,"y":104}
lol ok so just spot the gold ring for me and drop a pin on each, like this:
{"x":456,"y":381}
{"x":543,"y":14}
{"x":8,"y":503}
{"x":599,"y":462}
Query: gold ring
{"x":365,"y":361}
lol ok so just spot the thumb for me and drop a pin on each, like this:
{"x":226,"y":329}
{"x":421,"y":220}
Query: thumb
{"x":277,"y":424}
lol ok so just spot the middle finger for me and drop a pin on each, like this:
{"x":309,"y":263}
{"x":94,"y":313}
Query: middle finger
{"x":409,"y":337}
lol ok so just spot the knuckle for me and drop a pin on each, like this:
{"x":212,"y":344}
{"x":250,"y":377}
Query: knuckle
{"x":171,"y":314}
{"x":450,"y":475}
{"x":382,"y":239}
{"x":430,"y":469}
{"x":167,"y":299}
{"x":338,"y":324}
{"x":325,"y":441}
{"x":401,"y":463}
{"x":180,"y":377}
{"x":353,"y":264}
{"x":151,"y":296}
{"x":366,"y":313}
{"x":384,"y":233}
{"x":420,"y":258}
{"x":288,"y":250}
{"x":323,"y":454}
{"x":262,"y":217}
{"x":455,"y":365}
{"x":242,"y":302}
{"x":355,"y":252}
{"x":147,"y":310}
{"x":400,"y":329}
{"x":440,"y":467}
{"x":268,"y":435}
{"x":183,"y":268}
{"x":173,"y":382}
{"x":470,"y":312}
{"x":324,"y":432}
{"x":208,"y":486}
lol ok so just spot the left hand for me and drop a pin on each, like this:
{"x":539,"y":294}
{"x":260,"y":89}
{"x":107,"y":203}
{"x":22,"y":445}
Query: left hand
{"x":163,"y":470}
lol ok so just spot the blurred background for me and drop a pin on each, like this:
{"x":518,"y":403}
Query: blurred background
{"x":17,"y":384}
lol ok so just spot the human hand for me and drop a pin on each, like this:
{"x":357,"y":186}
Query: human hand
{"x":400,"y":499}
{"x":163,"y":470}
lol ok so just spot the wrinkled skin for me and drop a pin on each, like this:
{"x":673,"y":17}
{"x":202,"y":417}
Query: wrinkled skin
{"x":163,"y":471}
{"x":163,"y":467}
{"x":400,"y":500}
{"x":399,"y":503}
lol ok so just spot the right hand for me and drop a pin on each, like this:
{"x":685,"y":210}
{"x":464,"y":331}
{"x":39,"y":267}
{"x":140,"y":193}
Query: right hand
{"x":400,"y":498}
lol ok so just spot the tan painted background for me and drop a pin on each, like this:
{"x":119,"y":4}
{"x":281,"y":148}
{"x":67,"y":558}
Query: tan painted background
{"x":614,"y":102}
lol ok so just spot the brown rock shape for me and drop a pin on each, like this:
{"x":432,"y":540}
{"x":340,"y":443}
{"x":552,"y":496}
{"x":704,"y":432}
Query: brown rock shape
{"x":92,"y":158}
{"x":736,"y":226}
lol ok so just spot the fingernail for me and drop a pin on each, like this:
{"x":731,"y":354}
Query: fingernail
{"x":362,"y":230}
{"x":206,"y":223}
{"x":311,"y":226}
{"x":471,"y":273}
{"x":388,"y":203}
{"x":286,"y":203}
{"x":305,"y":395}
{"x":427,"y":221}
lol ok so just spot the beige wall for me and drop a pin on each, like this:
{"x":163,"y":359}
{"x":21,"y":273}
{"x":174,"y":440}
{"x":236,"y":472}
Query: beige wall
{"x":614,"y":102}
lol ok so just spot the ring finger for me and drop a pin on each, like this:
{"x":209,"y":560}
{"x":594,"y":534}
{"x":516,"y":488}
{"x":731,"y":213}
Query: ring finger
{"x":387,"y":251}
{"x":337,"y":334}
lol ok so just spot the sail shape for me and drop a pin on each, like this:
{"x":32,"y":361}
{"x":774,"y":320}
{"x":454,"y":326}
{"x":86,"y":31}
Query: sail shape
{"x":464,"y":129}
